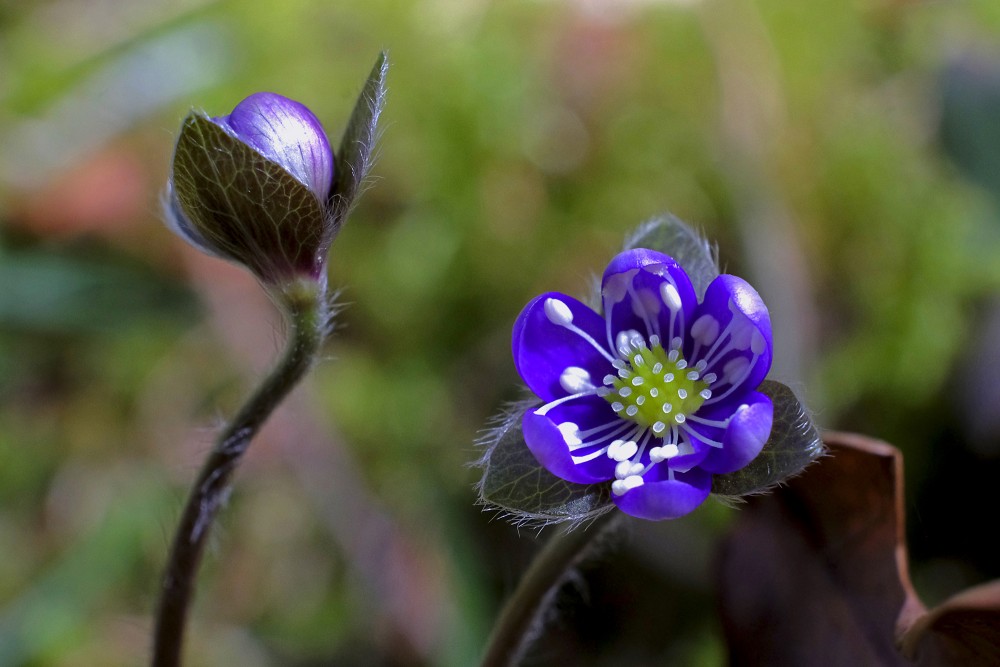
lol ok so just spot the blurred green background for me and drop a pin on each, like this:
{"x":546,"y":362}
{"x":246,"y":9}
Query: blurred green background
{"x":845,"y":156}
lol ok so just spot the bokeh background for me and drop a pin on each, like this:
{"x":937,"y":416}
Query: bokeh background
{"x":844,"y":155}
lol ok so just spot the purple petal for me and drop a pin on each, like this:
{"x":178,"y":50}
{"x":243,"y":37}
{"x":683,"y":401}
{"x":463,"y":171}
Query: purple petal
{"x":288,"y":133}
{"x":745,"y":436}
{"x":668,"y":498}
{"x":632,"y":298}
{"x":687,"y":461}
{"x":543,"y":349}
{"x":548,"y":443}
{"x":730,"y":300}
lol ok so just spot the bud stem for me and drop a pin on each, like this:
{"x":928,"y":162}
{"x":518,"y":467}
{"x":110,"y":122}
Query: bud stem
{"x":522,"y":617}
{"x":307,"y":312}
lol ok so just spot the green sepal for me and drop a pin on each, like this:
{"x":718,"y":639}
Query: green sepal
{"x":515,"y":484}
{"x":354,"y":158}
{"x":239,"y":205}
{"x":794,"y":443}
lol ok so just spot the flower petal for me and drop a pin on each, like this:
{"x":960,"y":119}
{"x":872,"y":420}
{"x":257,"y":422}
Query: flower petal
{"x":748,"y":430}
{"x":741,"y":351}
{"x":632,"y":298}
{"x":544,"y":349}
{"x":548,"y":442}
{"x":288,"y":133}
{"x":668,"y":498}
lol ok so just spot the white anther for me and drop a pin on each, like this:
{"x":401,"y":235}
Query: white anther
{"x":672,"y":356}
{"x":625,"y":392}
{"x":617,"y":406}
{"x":636,"y":339}
{"x":654,"y":340}
{"x":639,"y":400}
{"x":705,"y":394}
{"x":659,"y":427}
{"x":742,"y":332}
{"x":757,"y":342}
{"x":570,"y":433}
{"x":670,"y":296}
{"x":636,"y":468}
{"x":670,"y":451}
{"x":657,"y":367}
{"x":663,"y":453}
{"x":655,"y":456}
{"x":575,"y":380}
{"x":624,"y":374}
{"x":632,"y":481}
{"x":609,"y":379}
{"x":675,"y":343}
{"x":622,"y":469}
{"x":631,"y":411}
{"x":558,"y":312}
{"x":654,"y":392}
{"x":710,"y":378}
{"x":636,"y":381}
{"x":735,"y":368}
{"x":682,"y":364}
{"x":679,"y":418}
{"x":701,"y":365}
{"x":667,"y":408}
{"x":622,"y":450}
{"x":692,"y":375}
{"x":614,"y":447}
{"x":618,"y":487}
{"x":669,"y":377}
{"x":705,"y":329}
{"x":682,"y":394}
{"x":637,"y":360}
{"x":623,"y":341}
{"x":618,"y":363}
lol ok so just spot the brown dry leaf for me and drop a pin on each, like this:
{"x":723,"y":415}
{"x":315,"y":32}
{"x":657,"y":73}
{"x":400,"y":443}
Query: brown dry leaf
{"x":817,"y":574}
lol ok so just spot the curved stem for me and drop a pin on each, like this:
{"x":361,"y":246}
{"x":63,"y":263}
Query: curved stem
{"x":307,"y":313}
{"x":520,"y":620}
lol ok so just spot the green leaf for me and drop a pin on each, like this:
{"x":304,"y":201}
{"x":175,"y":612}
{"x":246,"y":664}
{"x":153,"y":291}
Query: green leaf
{"x":516,"y":484}
{"x":672,"y":236}
{"x":794,"y":443}
{"x":354,"y":158}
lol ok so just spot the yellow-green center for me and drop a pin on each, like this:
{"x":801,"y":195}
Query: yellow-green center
{"x":655,"y":388}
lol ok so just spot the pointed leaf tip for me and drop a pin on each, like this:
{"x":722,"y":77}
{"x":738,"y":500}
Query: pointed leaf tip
{"x":354,"y":158}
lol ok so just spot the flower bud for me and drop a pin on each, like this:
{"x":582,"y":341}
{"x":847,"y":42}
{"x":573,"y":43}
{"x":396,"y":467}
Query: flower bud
{"x":253,"y":187}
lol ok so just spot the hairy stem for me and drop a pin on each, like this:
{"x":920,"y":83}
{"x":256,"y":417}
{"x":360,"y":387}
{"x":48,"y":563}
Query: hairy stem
{"x":307,"y":313}
{"x":521,"y":620}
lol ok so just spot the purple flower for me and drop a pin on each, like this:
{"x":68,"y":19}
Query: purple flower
{"x":254,"y":187}
{"x":656,"y":395}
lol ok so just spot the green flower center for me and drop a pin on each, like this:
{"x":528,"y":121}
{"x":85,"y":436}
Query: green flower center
{"x":656,"y":388}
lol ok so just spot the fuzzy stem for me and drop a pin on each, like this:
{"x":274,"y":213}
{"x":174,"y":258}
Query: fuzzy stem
{"x":306,"y":309}
{"x":521,"y":619}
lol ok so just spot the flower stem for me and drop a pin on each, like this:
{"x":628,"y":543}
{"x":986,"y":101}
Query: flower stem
{"x":522,"y":617}
{"x":307,"y":313}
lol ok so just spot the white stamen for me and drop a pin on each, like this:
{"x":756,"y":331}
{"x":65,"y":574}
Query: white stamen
{"x":617,"y":406}
{"x":624,"y":449}
{"x":654,"y":392}
{"x":609,"y":379}
{"x":682,"y":364}
{"x":672,"y":356}
{"x":632,"y":481}
{"x":570,"y":433}
{"x":735,"y":368}
{"x":542,"y":411}
{"x":679,"y":418}
{"x":619,"y":364}
{"x":701,"y":365}
{"x":692,"y":375}
{"x":603,"y":391}
{"x":659,"y":427}
{"x":558,"y":312}
{"x":682,"y":394}
{"x":705,"y":394}
{"x":705,"y":329}
{"x":637,"y":360}
{"x":631,"y":411}
{"x":636,"y":468}
{"x":658,"y":454}
{"x":757,"y":342}
{"x":710,"y":378}
{"x":670,"y":296}
{"x":618,"y":487}
{"x":639,"y":400}
{"x":575,"y":379}
{"x":654,"y":340}
{"x":622,"y":469}
{"x":667,"y":408}
{"x":669,"y":377}
{"x":636,"y":381}
{"x":624,"y":374}
{"x":625,"y":392}
{"x":657,"y":367}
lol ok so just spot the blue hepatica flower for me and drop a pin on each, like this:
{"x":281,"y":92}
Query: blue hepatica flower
{"x":254,"y":187}
{"x":654,"y":396}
